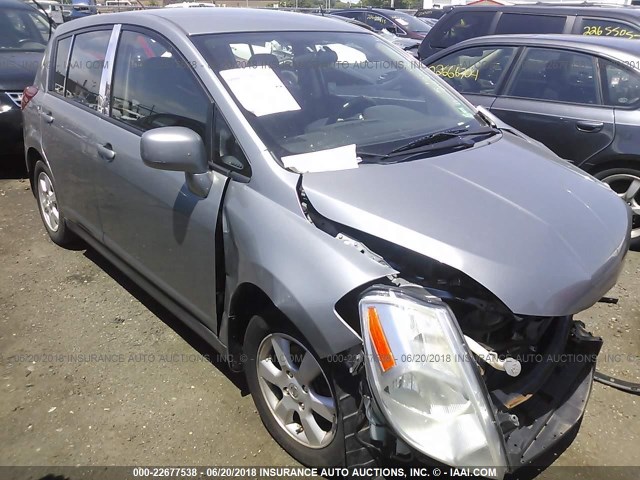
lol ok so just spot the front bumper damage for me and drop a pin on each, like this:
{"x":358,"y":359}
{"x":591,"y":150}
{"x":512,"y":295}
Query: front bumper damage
{"x":538,"y":415}
{"x":552,"y":399}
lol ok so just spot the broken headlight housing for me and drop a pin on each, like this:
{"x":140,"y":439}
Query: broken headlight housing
{"x":425,"y":381}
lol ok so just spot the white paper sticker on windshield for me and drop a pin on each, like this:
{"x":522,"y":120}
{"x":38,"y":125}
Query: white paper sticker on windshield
{"x":259,"y":90}
{"x":341,"y":158}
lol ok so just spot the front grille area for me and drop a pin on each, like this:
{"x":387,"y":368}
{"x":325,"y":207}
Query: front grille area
{"x":16,"y":97}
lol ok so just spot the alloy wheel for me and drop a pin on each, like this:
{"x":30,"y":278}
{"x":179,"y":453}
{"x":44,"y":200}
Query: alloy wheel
{"x":296,"y":390}
{"x":48,"y":202}
{"x":627,"y":186}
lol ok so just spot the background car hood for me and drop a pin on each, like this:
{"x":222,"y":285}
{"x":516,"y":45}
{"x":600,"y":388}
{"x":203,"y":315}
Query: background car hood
{"x":18,"y":69}
{"x":544,"y":237}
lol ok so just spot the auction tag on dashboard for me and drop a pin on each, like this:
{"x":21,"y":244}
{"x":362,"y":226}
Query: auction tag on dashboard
{"x":340,"y":158}
{"x":259,"y":90}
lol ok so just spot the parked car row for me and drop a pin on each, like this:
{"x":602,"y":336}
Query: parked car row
{"x":463,"y":23}
{"x":377,"y":255}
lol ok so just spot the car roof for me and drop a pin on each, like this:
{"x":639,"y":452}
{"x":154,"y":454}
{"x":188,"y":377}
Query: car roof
{"x":592,"y":43}
{"x":617,"y":49}
{"x":388,"y":11}
{"x":557,"y":9}
{"x":196,"y":21}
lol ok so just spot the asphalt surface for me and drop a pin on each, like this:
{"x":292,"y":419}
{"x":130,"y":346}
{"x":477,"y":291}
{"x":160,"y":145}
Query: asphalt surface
{"x":95,"y":372}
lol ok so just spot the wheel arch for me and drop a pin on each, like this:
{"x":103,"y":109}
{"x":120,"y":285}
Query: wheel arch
{"x":247,"y":300}
{"x":619,"y":161}
{"x":32,"y":157}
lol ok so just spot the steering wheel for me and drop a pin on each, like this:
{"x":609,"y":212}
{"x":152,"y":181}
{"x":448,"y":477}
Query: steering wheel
{"x":349,"y":109}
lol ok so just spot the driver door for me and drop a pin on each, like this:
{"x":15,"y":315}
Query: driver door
{"x":150,"y":217}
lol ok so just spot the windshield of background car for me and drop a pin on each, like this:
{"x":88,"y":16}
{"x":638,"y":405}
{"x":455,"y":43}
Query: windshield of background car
{"x":409,"y":22}
{"x":24,"y":30}
{"x":305,"y":92}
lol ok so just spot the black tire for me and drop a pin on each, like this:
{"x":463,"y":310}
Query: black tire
{"x":609,"y":176}
{"x":61,"y":235}
{"x":347,"y":417}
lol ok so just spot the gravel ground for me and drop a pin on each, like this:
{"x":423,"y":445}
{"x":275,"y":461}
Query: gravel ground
{"x":149,"y":397}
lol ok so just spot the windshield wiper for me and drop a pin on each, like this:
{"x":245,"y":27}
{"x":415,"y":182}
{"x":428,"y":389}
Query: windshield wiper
{"x":452,"y":143}
{"x":438,"y":137}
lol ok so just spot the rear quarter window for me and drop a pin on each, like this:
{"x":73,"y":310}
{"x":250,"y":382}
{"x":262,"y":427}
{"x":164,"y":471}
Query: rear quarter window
{"x":60,"y":65}
{"x":525,"y":23}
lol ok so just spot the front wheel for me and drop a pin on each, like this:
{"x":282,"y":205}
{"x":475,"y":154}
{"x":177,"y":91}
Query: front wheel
{"x":626,"y":183}
{"x":296,"y":395}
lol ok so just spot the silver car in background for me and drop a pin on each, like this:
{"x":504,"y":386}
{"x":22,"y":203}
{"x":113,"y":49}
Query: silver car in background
{"x":395,"y":271}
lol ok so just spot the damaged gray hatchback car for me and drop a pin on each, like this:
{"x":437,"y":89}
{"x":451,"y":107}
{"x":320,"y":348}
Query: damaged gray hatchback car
{"x":395,"y":271}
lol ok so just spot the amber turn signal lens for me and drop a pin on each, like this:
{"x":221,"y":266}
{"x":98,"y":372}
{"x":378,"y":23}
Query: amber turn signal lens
{"x":380,"y":343}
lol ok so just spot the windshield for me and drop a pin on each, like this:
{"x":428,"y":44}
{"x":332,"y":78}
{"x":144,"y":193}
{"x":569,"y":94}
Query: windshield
{"x":23,"y":30}
{"x":409,"y":23}
{"x":303,"y":92}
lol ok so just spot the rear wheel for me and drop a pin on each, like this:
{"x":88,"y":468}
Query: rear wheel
{"x":49,"y":207}
{"x":626,"y":183}
{"x":298,"y":396}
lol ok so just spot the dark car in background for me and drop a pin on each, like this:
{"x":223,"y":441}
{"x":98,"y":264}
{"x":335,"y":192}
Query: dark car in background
{"x":463,"y":23}
{"x":433,"y":13}
{"x":24,"y":33}
{"x":579,"y":95}
{"x":398,"y":23}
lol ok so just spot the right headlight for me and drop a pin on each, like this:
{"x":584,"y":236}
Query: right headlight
{"x":425,"y":380}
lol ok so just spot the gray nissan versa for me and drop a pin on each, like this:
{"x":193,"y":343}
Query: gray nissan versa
{"x":396,"y":275}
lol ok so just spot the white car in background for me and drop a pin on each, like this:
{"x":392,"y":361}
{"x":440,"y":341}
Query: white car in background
{"x":51,"y":8}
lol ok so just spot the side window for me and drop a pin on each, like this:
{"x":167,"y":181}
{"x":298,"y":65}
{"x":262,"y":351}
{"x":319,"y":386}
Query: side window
{"x":60,"y":65}
{"x":557,"y":75}
{"x":621,"y":86}
{"x":154,"y":87}
{"x":475,"y":70}
{"x":518,"y":23}
{"x":378,"y":22}
{"x":227,"y":149}
{"x":461,"y":26}
{"x":354,"y":15}
{"x":608,"y":28}
{"x":86,"y":66}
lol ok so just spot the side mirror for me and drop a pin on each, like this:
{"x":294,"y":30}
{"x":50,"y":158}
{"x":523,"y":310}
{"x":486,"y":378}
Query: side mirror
{"x":178,"y":149}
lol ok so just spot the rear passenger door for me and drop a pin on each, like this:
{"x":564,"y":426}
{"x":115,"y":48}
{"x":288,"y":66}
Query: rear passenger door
{"x":555,"y":97}
{"x":69,"y":123}
{"x":476,"y":72}
{"x":151,"y":219}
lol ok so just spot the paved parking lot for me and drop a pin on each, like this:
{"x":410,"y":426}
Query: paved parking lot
{"x":94,"y":372}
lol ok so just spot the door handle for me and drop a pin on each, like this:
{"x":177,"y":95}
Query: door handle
{"x":48,"y":117}
{"x":106,"y":151}
{"x":588,"y":126}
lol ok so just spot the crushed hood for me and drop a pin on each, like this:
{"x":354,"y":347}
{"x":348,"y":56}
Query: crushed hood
{"x":544,"y":237}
